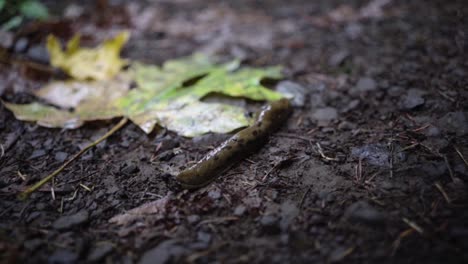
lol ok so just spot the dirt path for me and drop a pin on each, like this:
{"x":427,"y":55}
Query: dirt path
{"x":372,"y":168}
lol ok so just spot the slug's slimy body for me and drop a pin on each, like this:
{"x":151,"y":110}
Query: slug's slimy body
{"x":236,"y":147}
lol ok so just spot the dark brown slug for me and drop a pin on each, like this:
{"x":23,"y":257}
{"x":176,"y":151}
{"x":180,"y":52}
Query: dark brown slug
{"x":237,"y":147}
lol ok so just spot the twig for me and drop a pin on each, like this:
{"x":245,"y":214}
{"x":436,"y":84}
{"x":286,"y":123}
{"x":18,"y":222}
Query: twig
{"x":449,"y":168}
{"x":461,"y":155}
{"x":303,"y":198}
{"x":413,"y":225}
{"x":442,"y":191}
{"x":25,"y":194}
{"x":320,"y":151}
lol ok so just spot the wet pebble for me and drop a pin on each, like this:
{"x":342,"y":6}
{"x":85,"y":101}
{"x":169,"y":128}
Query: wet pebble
{"x":130,"y":168}
{"x":166,"y":155}
{"x":395,"y":91}
{"x":69,"y":221}
{"x":289,"y":211}
{"x":37,"y":153}
{"x":63,"y":256}
{"x":162,"y":253}
{"x":338,"y":58}
{"x":363,"y":212}
{"x":412,"y":99}
{"x":270,"y":223}
{"x":239,"y":210}
{"x":366,"y":84}
{"x":192,"y":219}
{"x":295,"y":90}
{"x":455,"y":122}
{"x":61,"y":156}
{"x":100,"y":251}
{"x":324,"y":115}
{"x":38,"y":53}
{"x":167,"y":143}
{"x":214,"y":194}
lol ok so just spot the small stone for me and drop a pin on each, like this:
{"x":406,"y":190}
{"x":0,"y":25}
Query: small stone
{"x":168,"y":143}
{"x":63,"y":256}
{"x":363,"y":212}
{"x":100,"y":251}
{"x":432,"y":131}
{"x":37,"y":153}
{"x":395,"y":91}
{"x":366,"y":84}
{"x":162,"y":253}
{"x":204,"y":237}
{"x":69,"y":221}
{"x":455,"y":122}
{"x":130,"y":168}
{"x":294,"y":90}
{"x":38,"y":53}
{"x":61,"y":156}
{"x":338,"y":58}
{"x":166,"y":155}
{"x":345,"y":125}
{"x":21,"y":45}
{"x":325,"y":115}
{"x":351,"y":106}
{"x":413,"y":99}
{"x":240,"y":210}
{"x":214,"y":194}
{"x":192,"y":219}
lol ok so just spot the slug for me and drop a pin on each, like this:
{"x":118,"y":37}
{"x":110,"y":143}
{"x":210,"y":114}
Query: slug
{"x":237,"y":147}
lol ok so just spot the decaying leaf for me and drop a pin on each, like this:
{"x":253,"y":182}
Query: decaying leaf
{"x":100,"y":63}
{"x":169,"y":95}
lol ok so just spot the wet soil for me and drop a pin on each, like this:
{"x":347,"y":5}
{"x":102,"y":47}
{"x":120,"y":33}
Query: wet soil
{"x":371,"y":168}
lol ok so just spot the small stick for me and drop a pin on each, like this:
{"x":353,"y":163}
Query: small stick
{"x":320,"y":151}
{"x":443,"y":192}
{"x":25,"y":194}
{"x":461,"y":156}
{"x":413,"y":225}
{"x":449,"y":168}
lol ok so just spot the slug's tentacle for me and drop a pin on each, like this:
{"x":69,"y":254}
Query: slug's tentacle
{"x":238,"y":146}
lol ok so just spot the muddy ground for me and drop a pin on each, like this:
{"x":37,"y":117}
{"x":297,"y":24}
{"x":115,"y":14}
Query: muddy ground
{"x":371,"y":168}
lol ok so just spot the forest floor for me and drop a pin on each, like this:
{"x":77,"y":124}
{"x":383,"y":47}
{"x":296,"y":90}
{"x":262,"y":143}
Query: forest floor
{"x":372,"y":168}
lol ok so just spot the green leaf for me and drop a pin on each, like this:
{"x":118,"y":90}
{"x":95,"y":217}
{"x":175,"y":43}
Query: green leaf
{"x":12,"y":23}
{"x":34,"y":10}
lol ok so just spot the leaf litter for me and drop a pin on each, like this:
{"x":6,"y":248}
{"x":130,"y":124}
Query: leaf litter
{"x":102,"y":87}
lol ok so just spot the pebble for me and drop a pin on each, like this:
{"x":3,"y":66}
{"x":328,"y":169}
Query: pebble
{"x":363,"y":212}
{"x":37,"y":153}
{"x":130,"y":168}
{"x":325,"y":115}
{"x":338,"y":58}
{"x":61,"y":156}
{"x":239,"y":210}
{"x":162,"y":253}
{"x":412,"y":100}
{"x":69,"y":221}
{"x":63,"y":256}
{"x":100,"y":251}
{"x":294,"y":90}
{"x":455,"y":122}
{"x":192,"y":219}
{"x":366,"y":84}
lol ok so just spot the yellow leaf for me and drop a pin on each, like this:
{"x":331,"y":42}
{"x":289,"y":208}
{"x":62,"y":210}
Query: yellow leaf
{"x":100,"y":63}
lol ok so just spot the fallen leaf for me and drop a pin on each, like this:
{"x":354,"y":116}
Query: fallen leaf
{"x":170,"y":95}
{"x":100,"y":63}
